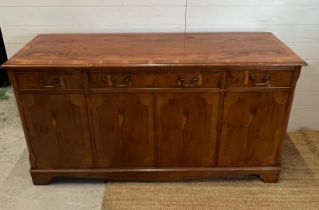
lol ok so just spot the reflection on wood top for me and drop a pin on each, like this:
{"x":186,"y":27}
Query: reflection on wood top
{"x":155,"y":49}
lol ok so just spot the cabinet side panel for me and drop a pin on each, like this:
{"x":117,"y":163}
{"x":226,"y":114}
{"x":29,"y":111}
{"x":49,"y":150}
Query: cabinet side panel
{"x":13,"y":81}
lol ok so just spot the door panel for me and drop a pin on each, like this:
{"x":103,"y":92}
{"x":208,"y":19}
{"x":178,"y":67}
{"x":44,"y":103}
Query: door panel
{"x":123,"y":129}
{"x":58,"y":130}
{"x":253,"y":128}
{"x":187,"y":129}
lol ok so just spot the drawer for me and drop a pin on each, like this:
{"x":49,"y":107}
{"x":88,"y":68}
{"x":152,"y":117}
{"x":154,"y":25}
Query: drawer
{"x":259,"y":78}
{"x":167,"y":79}
{"x":48,"y":80}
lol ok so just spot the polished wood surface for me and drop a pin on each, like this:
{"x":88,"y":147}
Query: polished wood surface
{"x":57,"y":126}
{"x":187,"y":129}
{"x":154,"y":106}
{"x":49,"y":80}
{"x":173,"y":78}
{"x":252,"y":128}
{"x":123,"y":129}
{"x":259,"y":78}
{"x":212,"y":49}
{"x":267,"y":174}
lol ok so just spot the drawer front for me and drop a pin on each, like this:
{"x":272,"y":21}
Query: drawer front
{"x":259,"y":78}
{"x":182,"y":79}
{"x":48,"y":80}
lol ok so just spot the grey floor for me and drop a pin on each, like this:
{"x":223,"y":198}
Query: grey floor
{"x":16,"y":188}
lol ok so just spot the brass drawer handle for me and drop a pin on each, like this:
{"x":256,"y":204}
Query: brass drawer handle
{"x":193,"y":83}
{"x":126,"y":82}
{"x":265,"y":80}
{"x":53,"y":84}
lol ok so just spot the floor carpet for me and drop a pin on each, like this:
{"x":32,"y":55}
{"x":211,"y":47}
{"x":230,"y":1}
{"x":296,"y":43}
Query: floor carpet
{"x":298,"y":187}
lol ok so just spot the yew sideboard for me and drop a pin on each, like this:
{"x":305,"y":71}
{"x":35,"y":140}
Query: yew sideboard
{"x":154,"y":106}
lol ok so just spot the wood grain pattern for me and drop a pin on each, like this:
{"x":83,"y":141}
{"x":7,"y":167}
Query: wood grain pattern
{"x":57,"y":126}
{"x":65,"y":80}
{"x":187,"y":129}
{"x":155,"y":106}
{"x":214,"y":49}
{"x":278,"y":78}
{"x":41,"y":177}
{"x":154,"y":79}
{"x":123,"y":129}
{"x":252,"y":129}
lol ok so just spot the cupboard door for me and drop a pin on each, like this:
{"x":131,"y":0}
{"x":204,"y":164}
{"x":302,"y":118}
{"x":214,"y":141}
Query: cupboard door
{"x":58,"y":130}
{"x":187,"y":129}
{"x":123,"y":129}
{"x":253,"y":128}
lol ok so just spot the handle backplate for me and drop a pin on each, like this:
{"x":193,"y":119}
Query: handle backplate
{"x":52,"y":84}
{"x":182,"y":81}
{"x":265,"y":80}
{"x":125,"y":83}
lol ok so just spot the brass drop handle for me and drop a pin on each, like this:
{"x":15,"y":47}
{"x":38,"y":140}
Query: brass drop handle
{"x":193,"y":83}
{"x":265,"y":80}
{"x":126,"y":82}
{"x":53,"y":84}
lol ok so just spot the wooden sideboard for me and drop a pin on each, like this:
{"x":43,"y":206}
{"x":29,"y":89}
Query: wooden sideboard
{"x":154,"y":106}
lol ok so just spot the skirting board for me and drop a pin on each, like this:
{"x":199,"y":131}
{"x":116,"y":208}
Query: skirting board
{"x":267,"y":174}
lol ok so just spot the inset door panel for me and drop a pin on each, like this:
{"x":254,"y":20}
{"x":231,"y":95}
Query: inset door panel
{"x":252,"y":128}
{"x":58,"y":129}
{"x":123,"y":129}
{"x":187,"y":129}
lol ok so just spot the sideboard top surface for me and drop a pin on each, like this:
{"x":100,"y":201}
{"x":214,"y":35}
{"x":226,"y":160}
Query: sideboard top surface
{"x":155,"y":49}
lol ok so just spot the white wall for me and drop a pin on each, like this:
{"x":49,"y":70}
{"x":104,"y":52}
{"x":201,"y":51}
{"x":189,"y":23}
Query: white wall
{"x":296,"y":22}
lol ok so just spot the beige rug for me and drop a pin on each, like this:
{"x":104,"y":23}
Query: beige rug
{"x":298,"y":187}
